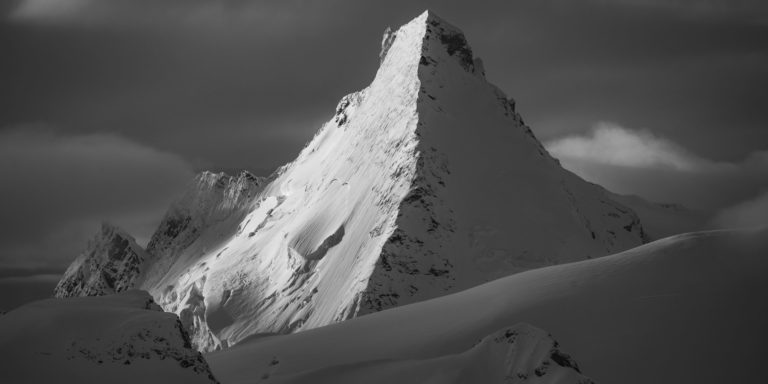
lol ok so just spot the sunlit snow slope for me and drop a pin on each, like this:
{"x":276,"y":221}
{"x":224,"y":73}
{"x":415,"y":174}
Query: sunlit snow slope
{"x":424,"y":183}
{"x":123,"y":338}
{"x":686,"y":309}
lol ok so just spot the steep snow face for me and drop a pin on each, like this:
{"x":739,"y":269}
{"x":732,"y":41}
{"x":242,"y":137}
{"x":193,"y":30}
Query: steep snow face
{"x":307,"y":246}
{"x":111,"y":263}
{"x":424,"y":183}
{"x":686,"y":309}
{"x":484,"y":188}
{"x":212,"y":198}
{"x":513,"y":355}
{"x":122,"y":338}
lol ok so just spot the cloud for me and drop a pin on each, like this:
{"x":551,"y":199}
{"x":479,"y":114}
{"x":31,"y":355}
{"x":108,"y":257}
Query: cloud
{"x":638,"y":162}
{"x":612,"y":144}
{"x":58,"y":187}
{"x":100,"y":10}
{"x":750,"y":213}
{"x":193,"y":13}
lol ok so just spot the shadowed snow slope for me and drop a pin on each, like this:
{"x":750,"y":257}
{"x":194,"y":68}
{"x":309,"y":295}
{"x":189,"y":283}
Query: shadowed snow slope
{"x":122,"y":338}
{"x":424,"y":183}
{"x":686,"y":309}
{"x":518,"y":354}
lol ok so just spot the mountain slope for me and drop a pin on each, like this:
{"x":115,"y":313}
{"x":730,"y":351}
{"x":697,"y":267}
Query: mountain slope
{"x":211,"y":199}
{"x":689,"y":308}
{"x":122,"y":338}
{"x":110,"y":264}
{"x":424,"y":183}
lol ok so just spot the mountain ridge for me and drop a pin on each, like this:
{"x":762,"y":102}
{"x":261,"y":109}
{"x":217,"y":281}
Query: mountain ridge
{"x":110,"y":263}
{"x":424,"y":183}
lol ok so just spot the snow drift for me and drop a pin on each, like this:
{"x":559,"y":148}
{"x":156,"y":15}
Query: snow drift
{"x":123,"y":338}
{"x":512,"y":355}
{"x":685,"y":309}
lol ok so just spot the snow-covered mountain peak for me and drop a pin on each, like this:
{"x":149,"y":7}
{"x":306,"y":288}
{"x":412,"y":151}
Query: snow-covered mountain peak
{"x":432,"y":36}
{"x":110,"y":263}
{"x":426,"y":182}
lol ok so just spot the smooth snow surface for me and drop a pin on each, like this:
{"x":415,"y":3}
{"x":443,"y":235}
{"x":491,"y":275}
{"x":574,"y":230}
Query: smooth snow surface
{"x":518,"y":354}
{"x":426,"y":182}
{"x":123,"y":338}
{"x":686,"y":309}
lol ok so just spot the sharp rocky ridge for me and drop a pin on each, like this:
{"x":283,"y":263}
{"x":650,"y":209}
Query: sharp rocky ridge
{"x":424,"y":183}
{"x":110,"y":264}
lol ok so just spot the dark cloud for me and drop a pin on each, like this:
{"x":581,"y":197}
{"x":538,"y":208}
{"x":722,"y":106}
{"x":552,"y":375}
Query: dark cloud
{"x":58,"y":187}
{"x":15,"y":291}
{"x":750,"y":213}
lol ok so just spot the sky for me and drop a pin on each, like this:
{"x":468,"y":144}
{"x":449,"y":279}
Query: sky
{"x":108,"y":107}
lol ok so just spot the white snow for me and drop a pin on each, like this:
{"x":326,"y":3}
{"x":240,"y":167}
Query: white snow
{"x":686,"y":309}
{"x":123,"y":338}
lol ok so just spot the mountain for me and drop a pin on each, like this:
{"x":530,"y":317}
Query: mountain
{"x":121,"y":338}
{"x":424,"y":183}
{"x":685,"y":309}
{"x":110,"y":263}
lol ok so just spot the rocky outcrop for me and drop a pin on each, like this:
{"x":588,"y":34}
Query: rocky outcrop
{"x":111,"y":263}
{"x":118,"y":338}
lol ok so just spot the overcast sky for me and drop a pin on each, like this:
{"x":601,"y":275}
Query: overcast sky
{"x":109,"y":106}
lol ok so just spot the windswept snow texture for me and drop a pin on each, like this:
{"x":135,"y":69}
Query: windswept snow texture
{"x":686,"y":309}
{"x":110,"y":264}
{"x":122,"y":338}
{"x":211,"y":199}
{"x":424,"y":183}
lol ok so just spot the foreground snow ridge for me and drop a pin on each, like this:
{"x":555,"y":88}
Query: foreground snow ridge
{"x":426,"y":182}
{"x":513,"y":355}
{"x":123,"y":338}
{"x":685,"y":309}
